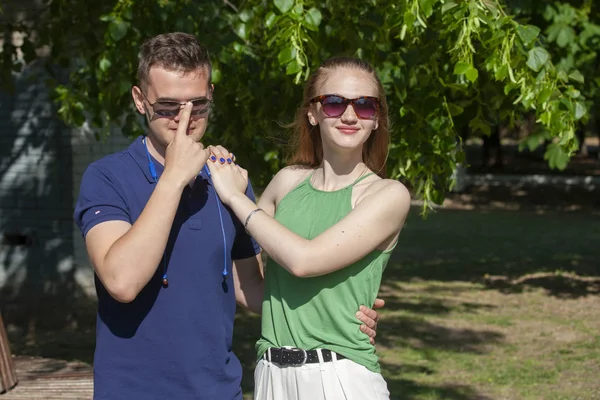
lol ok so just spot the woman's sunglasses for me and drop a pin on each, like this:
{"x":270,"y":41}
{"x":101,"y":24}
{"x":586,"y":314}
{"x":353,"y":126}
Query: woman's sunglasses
{"x":365,"y":107}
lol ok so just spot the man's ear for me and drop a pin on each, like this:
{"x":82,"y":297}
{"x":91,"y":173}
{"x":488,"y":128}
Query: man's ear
{"x":138,"y":99}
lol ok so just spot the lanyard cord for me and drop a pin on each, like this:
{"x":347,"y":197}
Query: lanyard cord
{"x":152,"y":169}
{"x":224,"y":273}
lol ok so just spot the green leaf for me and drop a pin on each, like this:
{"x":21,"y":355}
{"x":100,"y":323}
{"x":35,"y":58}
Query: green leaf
{"x":580,"y":110}
{"x":479,"y":125}
{"x":284,"y":5}
{"x":461,"y":68}
{"x":245,"y":15}
{"x":472,"y":74}
{"x":573,"y":93}
{"x":562,"y":76}
{"x":577,"y":76}
{"x":531,"y":142}
{"x":104,"y":64}
{"x":270,"y":19}
{"x":427,"y":7}
{"x":544,"y":95}
{"x":286,"y":55}
{"x":455,"y":109}
{"x":556,"y":156}
{"x":448,"y":5}
{"x":293,"y":67}
{"x":565,"y":36}
{"x":240,"y":30}
{"x":216,"y":75}
{"x":528,"y":33}
{"x":118,"y":29}
{"x":313,"y":18}
{"x":409,"y":19}
{"x":501,"y":73}
{"x":538,"y":57}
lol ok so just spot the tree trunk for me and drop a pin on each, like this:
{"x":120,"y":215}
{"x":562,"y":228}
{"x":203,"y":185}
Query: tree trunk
{"x":8,"y":377}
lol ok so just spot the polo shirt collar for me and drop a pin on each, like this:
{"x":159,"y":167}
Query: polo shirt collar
{"x":137,"y":151}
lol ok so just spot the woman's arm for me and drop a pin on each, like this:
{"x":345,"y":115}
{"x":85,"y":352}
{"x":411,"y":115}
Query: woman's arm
{"x":375,"y":220}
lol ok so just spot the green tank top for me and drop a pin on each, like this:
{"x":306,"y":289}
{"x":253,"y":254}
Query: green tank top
{"x":319,"y":312}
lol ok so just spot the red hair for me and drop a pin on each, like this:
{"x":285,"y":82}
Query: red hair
{"x":306,"y":140}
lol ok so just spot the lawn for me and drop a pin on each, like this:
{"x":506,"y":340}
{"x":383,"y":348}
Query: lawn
{"x":487,"y":305}
{"x":480,"y":305}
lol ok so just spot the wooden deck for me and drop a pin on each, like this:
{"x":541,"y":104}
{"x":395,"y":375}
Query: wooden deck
{"x":47,"y":379}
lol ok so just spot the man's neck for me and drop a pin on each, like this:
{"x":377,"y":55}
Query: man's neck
{"x":159,"y":155}
{"x":155,"y":150}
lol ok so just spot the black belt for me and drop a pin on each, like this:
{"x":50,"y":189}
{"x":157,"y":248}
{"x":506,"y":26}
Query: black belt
{"x":295,"y":356}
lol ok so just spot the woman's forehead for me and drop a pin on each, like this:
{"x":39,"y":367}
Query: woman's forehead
{"x":348,"y":82}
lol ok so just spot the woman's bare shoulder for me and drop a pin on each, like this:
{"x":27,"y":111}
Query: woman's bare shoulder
{"x":385,"y":187}
{"x":287,"y":179}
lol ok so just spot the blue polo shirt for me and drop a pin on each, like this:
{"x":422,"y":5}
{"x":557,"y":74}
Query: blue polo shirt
{"x":174,"y":342}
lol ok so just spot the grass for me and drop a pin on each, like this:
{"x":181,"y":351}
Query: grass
{"x":486,"y":305}
{"x":480,"y":306}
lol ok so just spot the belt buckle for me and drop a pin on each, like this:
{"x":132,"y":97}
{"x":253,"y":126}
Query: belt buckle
{"x":296,"y":349}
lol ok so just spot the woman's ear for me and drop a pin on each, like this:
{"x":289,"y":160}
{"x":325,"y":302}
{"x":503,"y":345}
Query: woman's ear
{"x":311,"y":118}
{"x":376,"y":125}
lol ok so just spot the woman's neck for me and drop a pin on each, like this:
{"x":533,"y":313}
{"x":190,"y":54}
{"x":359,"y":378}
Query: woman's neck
{"x":339,"y":170}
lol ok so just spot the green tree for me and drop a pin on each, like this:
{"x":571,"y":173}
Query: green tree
{"x":572,"y":35}
{"x":445,"y":64}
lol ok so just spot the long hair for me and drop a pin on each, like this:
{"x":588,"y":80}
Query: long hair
{"x":307,"y":147}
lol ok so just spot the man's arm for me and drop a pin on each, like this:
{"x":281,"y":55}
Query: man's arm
{"x":125,"y":256}
{"x":248,"y":283}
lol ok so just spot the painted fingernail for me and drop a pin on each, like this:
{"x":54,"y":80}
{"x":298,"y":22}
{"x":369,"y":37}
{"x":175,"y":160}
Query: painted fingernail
{"x":229,"y":161}
{"x":222,"y":160}
{"x":213,"y":158}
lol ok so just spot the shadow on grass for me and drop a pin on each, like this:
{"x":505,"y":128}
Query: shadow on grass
{"x":558,"y":285}
{"x":245,"y":335}
{"x":397,"y":331}
{"x":52,"y":328}
{"x":422,"y":335}
{"x":406,"y":389}
{"x":554,"y":252}
{"x":428,"y":306}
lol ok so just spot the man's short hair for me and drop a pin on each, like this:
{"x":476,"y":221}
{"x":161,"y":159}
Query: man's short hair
{"x":175,"y":51}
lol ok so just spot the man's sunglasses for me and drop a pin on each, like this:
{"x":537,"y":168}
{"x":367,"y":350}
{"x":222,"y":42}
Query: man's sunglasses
{"x":170,"y":109}
{"x":365,"y":107}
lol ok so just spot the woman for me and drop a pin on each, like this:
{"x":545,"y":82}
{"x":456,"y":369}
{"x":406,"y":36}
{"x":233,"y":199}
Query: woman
{"x":329,"y":223}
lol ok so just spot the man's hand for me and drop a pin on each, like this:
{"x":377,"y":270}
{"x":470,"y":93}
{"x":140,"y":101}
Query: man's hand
{"x":369,"y":318}
{"x":184,"y":157}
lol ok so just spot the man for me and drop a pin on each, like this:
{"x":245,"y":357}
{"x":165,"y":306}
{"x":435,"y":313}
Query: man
{"x":170,"y":260}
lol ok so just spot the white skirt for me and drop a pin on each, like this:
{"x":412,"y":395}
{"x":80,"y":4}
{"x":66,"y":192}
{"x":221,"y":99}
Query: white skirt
{"x":337,"y":379}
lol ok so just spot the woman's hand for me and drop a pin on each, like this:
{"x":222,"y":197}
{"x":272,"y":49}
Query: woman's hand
{"x":228,"y":178}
